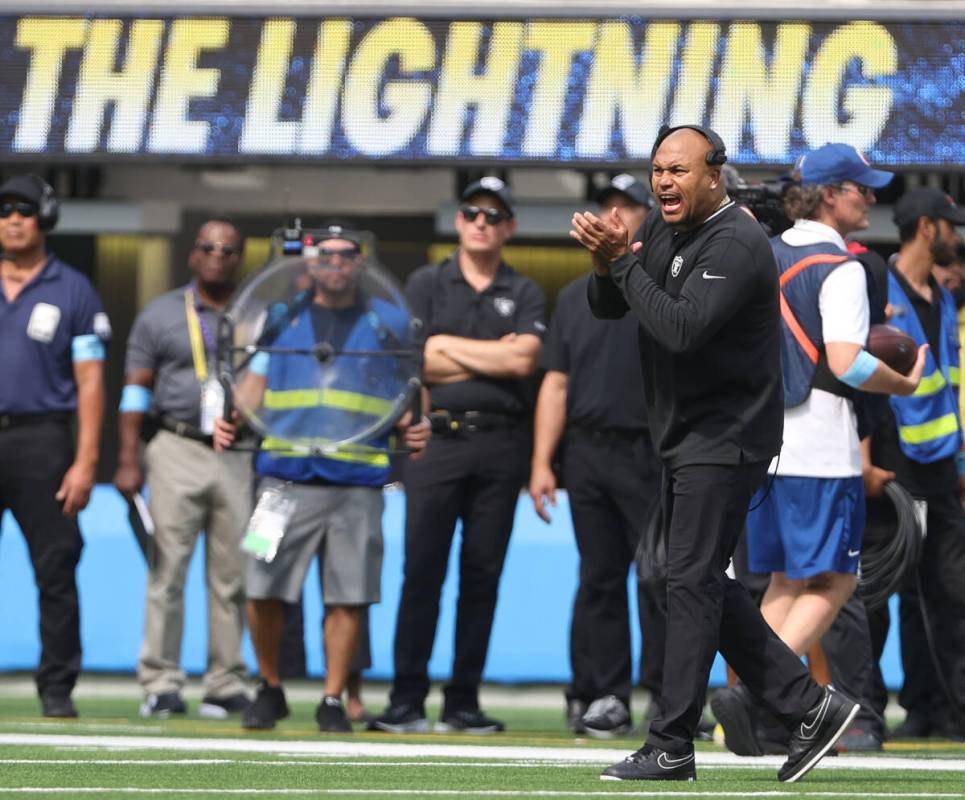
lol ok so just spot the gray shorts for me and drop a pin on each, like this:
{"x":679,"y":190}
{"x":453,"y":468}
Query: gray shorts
{"x":342,"y":525}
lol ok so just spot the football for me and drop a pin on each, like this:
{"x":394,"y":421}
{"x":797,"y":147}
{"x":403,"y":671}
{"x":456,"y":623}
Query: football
{"x":893,"y":346}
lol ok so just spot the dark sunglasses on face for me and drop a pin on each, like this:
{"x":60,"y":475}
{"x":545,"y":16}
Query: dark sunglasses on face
{"x":342,"y":252}
{"x":493,"y":215}
{"x":227,"y":250}
{"x":865,"y":191}
{"x":24,"y":209}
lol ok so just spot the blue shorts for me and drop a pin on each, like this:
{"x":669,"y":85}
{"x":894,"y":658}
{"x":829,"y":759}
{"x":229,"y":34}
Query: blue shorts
{"x":806,"y":526}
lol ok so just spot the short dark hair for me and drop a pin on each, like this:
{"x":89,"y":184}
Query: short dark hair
{"x":908,"y":230}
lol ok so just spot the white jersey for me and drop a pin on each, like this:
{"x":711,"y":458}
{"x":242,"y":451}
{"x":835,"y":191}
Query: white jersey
{"x":821,"y":434}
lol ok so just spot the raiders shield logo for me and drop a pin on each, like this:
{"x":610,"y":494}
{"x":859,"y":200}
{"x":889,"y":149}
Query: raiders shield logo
{"x":676,"y":264}
{"x":505,"y":306}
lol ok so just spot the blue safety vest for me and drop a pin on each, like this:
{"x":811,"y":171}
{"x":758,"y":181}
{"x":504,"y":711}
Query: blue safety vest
{"x":305,"y":399}
{"x":802,"y":272}
{"x":929,"y":426}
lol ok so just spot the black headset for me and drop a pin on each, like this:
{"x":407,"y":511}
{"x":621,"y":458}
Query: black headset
{"x":716,"y":157}
{"x":48,"y":207}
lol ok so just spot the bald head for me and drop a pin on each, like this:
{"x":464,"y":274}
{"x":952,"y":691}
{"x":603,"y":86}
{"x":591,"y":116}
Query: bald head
{"x":686,"y":187}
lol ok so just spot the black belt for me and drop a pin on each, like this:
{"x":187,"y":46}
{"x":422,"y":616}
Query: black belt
{"x":185,"y":429}
{"x":23,"y":420}
{"x":609,"y":435}
{"x":450,"y":422}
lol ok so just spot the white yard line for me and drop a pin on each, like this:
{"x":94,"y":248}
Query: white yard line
{"x":399,"y":750}
{"x":382,"y":792}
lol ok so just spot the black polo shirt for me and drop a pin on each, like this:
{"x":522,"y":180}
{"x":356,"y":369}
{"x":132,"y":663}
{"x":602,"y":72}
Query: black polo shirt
{"x":937,"y":477}
{"x":440,"y":296}
{"x":601,"y":358}
{"x":707,"y":304}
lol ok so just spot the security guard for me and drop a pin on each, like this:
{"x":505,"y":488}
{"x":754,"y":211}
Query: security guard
{"x":484,"y":323}
{"x":53,"y":328}
{"x":921,"y":444}
{"x":170,"y":384}
{"x":612,"y":477}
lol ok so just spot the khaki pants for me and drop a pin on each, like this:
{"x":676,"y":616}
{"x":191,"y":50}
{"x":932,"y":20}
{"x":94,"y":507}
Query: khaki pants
{"x":194,"y":489}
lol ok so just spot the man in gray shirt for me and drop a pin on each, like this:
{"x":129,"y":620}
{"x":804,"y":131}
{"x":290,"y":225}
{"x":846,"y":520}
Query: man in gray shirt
{"x":171,"y":384}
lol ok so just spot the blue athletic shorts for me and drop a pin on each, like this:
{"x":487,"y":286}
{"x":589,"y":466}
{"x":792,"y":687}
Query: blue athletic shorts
{"x":806,"y":526}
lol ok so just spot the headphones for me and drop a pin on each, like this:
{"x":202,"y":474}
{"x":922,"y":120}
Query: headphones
{"x":48,"y":207}
{"x":716,"y":157}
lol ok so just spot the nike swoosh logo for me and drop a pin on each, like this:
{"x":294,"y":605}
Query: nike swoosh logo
{"x":709,"y":277}
{"x":664,"y":761}
{"x":808,"y":731}
{"x":853,"y":553}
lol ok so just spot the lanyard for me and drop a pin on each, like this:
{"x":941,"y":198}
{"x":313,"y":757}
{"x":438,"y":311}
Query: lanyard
{"x":198,"y":334}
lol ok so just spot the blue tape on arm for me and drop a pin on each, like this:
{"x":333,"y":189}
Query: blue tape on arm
{"x":259,"y":364}
{"x":136,"y":398}
{"x":87,"y":348}
{"x":861,"y":369}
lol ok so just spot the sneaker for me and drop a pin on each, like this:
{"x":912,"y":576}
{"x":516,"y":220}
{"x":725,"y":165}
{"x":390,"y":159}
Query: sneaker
{"x":820,"y":728}
{"x":402,"y":718}
{"x":221,"y":707}
{"x":575,"y":709}
{"x":734,"y":710}
{"x":163,"y":705}
{"x":705,"y":730}
{"x":269,"y":707}
{"x":57,"y":704}
{"x":468,"y":721}
{"x":607,"y":717}
{"x":915,"y":726}
{"x":330,"y":716}
{"x":651,"y":763}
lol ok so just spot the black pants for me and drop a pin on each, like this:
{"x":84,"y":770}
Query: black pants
{"x":851,"y":659}
{"x":475,"y":477}
{"x":33,"y":461}
{"x":942,"y":573}
{"x":704,"y":511}
{"x":613,"y":485}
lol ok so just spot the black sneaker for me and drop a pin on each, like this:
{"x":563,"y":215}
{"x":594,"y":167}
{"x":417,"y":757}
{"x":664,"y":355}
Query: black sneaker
{"x":607,"y":717}
{"x":269,"y":707}
{"x":163,"y":705}
{"x":330,"y":716}
{"x":58,"y":705}
{"x":575,"y":709}
{"x":734,"y":710}
{"x":468,"y":721}
{"x":859,"y":740}
{"x":222,"y":707}
{"x":651,"y":763}
{"x":915,"y":726}
{"x":402,"y":718}
{"x":817,"y":732}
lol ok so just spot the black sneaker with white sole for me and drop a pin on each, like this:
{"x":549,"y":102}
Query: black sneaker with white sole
{"x":733,"y":708}
{"x":222,"y":707}
{"x":817,"y":732}
{"x":269,"y":707}
{"x":163,"y":705}
{"x":467,"y":720}
{"x":651,"y":763}
{"x":575,"y":709}
{"x":607,"y":717}
{"x":401,"y":718}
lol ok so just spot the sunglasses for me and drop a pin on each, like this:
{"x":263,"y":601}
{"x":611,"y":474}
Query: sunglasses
{"x":23,"y":209}
{"x":342,"y":252}
{"x":227,"y":250}
{"x":865,"y":191}
{"x":493,"y":215}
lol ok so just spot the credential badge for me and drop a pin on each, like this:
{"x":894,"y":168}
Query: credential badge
{"x":676,"y":264}
{"x":505,"y":306}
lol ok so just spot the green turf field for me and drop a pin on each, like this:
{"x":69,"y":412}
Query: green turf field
{"x":111,"y":752}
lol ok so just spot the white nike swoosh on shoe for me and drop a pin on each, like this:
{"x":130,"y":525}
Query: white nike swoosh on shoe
{"x":709,"y":277}
{"x":664,"y":761}
{"x":853,"y":553}
{"x":808,"y":731}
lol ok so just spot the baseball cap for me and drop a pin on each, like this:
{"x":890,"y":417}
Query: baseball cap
{"x":627,"y":185}
{"x":834,"y":163}
{"x":490,"y":185}
{"x":26,"y":187}
{"x":927,"y":202}
{"x":335,"y":230}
